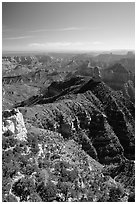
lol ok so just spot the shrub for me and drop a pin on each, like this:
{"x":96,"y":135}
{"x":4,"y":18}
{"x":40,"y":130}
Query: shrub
{"x":116,"y":193}
{"x":8,"y":142}
{"x":33,"y":143}
{"x":9,"y":198}
{"x":64,"y":187}
{"x":34,"y":197}
{"x":23,"y":188}
{"x":48,"y":192}
{"x":8,"y":133}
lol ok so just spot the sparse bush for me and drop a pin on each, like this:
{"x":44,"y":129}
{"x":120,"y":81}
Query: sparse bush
{"x":8,"y":142}
{"x":63,"y":187}
{"x":23,"y":188}
{"x":10,"y":167}
{"x":8,"y":133}
{"x":34,"y":197}
{"x":33,"y":142}
{"x":48,"y":192}
{"x":115,"y":193}
{"x":10,"y":198}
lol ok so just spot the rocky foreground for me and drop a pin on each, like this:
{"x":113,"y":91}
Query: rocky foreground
{"x":74,"y":142}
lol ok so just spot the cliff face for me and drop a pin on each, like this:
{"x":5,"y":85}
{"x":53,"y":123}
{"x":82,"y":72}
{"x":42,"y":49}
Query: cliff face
{"x":32,"y":76}
{"x":116,"y":73}
{"x":79,"y":141}
{"x":120,"y":78}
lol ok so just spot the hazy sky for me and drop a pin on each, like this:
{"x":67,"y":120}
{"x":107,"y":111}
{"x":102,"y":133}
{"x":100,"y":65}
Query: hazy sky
{"x":67,"y":26}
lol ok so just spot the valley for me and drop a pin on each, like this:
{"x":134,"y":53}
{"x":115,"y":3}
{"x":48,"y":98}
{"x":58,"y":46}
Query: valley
{"x":68,"y":127}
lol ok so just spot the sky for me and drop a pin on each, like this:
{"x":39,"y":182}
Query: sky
{"x":68,"y":26}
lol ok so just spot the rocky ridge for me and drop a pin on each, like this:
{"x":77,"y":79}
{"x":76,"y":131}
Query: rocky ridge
{"x":92,"y":127}
{"x":45,"y":167}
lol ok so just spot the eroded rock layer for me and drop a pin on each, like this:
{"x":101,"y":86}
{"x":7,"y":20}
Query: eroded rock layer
{"x":79,"y":146}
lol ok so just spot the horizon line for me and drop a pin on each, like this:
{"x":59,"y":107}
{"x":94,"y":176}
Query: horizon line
{"x":65,"y":51}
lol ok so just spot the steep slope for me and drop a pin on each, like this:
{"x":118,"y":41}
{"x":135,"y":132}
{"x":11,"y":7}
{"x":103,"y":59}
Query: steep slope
{"x":99,"y":95}
{"x":13,"y":93}
{"x":119,"y":78}
{"x":46,"y":167}
{"x":90,"y":119}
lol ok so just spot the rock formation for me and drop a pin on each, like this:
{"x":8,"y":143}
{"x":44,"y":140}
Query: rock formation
{"x":13,"y":124}
{"x":73,"y":142}
{"x":119,"y":78}
{"x":46,"y":167}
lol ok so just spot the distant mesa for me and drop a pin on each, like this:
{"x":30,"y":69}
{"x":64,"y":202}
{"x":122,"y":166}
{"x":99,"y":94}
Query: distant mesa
{"x":87,"y":70}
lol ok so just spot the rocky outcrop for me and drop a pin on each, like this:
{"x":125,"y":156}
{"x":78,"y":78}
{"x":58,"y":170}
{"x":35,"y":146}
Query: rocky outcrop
{"x":87,"y":70}
{"x":12,"y":79}
{"x":13,"y":124}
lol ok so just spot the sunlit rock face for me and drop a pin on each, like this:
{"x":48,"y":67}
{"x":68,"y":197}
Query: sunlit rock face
{"x":13,"y":124}
{"x":8,"y":125}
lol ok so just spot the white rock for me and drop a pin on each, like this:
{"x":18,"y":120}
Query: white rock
{"x":40,"y":153}
{"x":15,"y":123}
{"x":8,"y":125}
{"x":20,"y":129}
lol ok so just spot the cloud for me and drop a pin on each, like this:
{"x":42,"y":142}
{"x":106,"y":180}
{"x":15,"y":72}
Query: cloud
{"x":36,"y":45}
{"x":74,"y":28}
{"x":97,"y":43}
{"x":63,"y":29}
{"x":60,"y":44}
{"x":49,"y":45}
{"x":17,"y":38}
{"x":55,"y":44}
{"x":64,"y":45}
